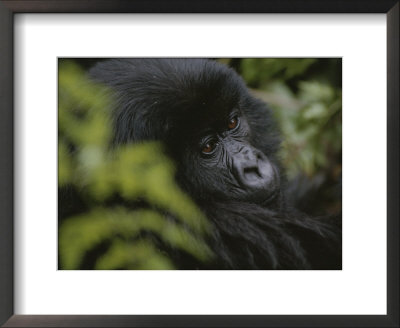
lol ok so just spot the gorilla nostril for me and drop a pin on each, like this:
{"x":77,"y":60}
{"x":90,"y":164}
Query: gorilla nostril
{"x":251,"y":173}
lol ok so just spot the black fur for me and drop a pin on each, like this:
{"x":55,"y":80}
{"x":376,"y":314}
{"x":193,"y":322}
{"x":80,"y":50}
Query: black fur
{"x":175,"y":101}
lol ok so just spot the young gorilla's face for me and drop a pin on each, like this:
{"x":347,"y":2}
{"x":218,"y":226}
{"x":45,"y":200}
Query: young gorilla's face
{"x":221,"y":138}
{"x":219,"y":160}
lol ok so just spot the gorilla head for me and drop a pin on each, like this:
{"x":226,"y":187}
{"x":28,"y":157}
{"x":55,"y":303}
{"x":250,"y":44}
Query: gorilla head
{"x":221,"y":137}
{"x":224,"y":143}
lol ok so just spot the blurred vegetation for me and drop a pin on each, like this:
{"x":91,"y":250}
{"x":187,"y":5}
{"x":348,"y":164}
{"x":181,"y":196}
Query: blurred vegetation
{"x":95,"y":174}
{"x":306,"y":97}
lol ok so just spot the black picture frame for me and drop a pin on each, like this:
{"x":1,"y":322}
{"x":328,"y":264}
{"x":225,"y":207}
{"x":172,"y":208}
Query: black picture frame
{"x":10,"y":7}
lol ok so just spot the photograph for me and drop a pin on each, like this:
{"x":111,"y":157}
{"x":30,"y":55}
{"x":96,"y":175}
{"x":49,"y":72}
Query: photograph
{"x":199,"y":163}
{"x":202,"y":164}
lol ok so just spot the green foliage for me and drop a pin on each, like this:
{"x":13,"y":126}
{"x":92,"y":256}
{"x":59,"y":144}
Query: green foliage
{"x":261,"y":71}
{"x":139,"y":172}
{"x":121,"y":227}
{"x":307,"y":105}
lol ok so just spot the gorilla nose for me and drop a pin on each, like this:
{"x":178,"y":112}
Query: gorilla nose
{"x":260,"y":176}
{"x":251,"y":173}
{"x":254,"y":171}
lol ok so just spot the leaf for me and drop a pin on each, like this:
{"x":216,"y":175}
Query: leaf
{"x":140,"y":255}
{"x":81,"y":233}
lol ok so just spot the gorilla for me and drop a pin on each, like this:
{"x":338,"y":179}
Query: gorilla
{"x":224,"y":143}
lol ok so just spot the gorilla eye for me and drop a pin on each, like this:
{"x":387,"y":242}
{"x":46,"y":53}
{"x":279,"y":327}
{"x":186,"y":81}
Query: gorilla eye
{"x":208,"y":147}
{"x":233,"y":123}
